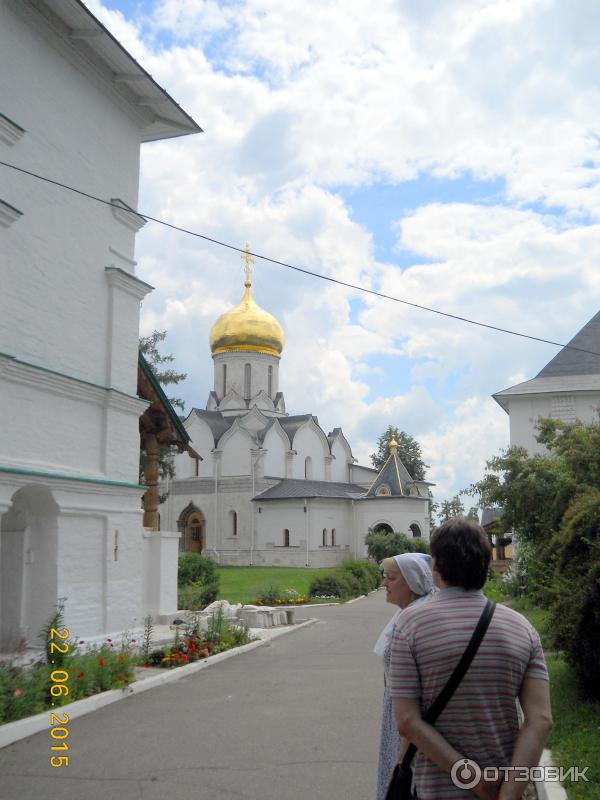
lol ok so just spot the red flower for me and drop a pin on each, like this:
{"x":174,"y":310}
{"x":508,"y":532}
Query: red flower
{"x":102,"y":662}
{"x":18,"y":692}
{"x":184,"y":657}
{"x":81,"y":641}
{"x":108,"y":640}
{"x":126,"y":680}
{"x":133,"y":641}
{"x":80,"y":675}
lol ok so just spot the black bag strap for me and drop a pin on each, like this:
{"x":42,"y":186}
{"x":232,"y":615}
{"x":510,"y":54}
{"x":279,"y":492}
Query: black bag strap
{"x":440,"y":702}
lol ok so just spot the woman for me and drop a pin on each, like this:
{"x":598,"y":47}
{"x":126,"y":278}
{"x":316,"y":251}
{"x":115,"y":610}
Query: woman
{"x":407,"y":579}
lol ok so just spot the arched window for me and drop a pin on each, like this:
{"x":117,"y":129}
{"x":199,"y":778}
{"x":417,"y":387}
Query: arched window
{"x":383,"y":490}
{"x":416,"y":531}
{"x":324,"y":537}
{"x":308,"y":468}
{"x":224,"y":379}
{"x":286,"y":538}
{"x":333,"y":537}
{"x":270,"y":381}
{"x":247,"y":382}
{"x":233,"y":515}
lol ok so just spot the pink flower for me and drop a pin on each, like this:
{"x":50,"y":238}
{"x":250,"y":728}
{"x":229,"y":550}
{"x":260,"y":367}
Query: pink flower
{"x":81,"y":641}
{"x":18,"y":692}
{"x":133,"y":641}
{"x":108,"y":640}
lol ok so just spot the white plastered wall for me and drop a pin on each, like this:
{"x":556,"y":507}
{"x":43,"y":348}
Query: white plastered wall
{"x":308,"y":442}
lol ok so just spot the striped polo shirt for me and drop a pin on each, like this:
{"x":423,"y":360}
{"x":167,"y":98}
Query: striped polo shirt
{"x":480,"y":720}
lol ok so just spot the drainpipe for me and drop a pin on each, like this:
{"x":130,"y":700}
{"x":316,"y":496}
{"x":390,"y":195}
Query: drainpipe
{"x":252,"y":507}
{"x":307,"y":530}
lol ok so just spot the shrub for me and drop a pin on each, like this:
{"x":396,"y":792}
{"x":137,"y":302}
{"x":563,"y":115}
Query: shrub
{"x":365,"y":572}
{"x":196,"y":596}
{"x":268,"y":593}
{"x":386,"y":545}
{"x":585,"y":650}
{"x":336,"y":583}
{"x":195,"y":568}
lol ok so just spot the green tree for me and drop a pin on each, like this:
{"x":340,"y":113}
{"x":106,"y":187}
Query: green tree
{"x":450,"y":508}
{"x":148,"y":346}
{"x":382,"y":545}
{"x":409,"y":452}
{"x":165,"y":376}
{"x":473,"y":513}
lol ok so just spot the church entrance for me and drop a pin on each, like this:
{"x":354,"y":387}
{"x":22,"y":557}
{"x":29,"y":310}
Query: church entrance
{"x":192,"y":526}
{"x":28,"y":566}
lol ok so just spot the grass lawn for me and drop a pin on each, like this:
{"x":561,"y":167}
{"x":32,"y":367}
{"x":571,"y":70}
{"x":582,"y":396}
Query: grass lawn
{"x":575,"y":738}
{"x":239,"y":584}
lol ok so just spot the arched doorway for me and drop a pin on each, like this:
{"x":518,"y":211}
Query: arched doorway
{"x":28,"y":565}
{"x":192,"y":526}
{"x":416,"y":531}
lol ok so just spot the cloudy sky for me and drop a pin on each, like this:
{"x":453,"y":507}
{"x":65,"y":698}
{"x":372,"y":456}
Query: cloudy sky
{"x":440,"y":151}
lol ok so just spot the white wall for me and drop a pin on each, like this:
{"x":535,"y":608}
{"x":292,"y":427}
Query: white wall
{"x":339,"y":468}
{"x":236,"y":361}
{"x":236,"y":459}
{"x":274,"y":459}
{"x":307,"y":442}
{"x":525,"y":411}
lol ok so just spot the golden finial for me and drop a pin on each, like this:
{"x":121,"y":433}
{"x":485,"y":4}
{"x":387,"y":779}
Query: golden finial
{"x":393,"y":445}
{"x":248,"y":262}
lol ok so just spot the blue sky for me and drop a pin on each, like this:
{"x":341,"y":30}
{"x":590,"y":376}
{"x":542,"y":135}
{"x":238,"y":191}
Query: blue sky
{"x":445,"y":153}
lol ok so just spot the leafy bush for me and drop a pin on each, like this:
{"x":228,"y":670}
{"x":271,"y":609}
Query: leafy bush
{"x":334,"y":584}
{"x":366,"y":573}
{"x":195,"y":568}
{"x":269,"y":593}
{"x":585,"y":650}
{"x":386,"y":545}
{"x":196,"y":596}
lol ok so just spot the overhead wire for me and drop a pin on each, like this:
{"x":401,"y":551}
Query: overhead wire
{"x":301,"y":270}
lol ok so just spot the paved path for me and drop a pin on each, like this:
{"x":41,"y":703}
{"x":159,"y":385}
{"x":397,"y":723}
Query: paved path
{"x":294,"y":720}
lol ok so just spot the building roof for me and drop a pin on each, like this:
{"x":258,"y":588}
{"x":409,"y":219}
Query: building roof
{"x":570,"y":369}
{"x":295,"y":488}
{"x":160,"y":116}
{"x":489,"y":516}
{"x":291,"y":424}
{"x":393,"y":475}
{"x":217,"y":423}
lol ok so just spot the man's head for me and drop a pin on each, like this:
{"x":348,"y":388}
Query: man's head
{"x":461,"y":551}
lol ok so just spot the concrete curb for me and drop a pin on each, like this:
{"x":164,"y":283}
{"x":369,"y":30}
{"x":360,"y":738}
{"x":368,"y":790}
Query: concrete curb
{"x":22,"y":728}
{"x":547,"y":790}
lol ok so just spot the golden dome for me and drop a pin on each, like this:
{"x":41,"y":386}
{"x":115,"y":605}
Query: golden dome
{"x":247,"y":327}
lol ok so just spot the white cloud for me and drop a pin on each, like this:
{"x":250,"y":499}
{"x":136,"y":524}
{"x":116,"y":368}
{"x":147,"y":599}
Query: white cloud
{"x":297,"y":99}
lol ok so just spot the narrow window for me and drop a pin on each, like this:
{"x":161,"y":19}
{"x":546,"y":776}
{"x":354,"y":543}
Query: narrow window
{"x":270,"y":381}
{"x":247,"y":382}
{"x":324,"y":537}
{"x":224,"y":379}
{"x":286,"y":538}
{"x":333,"y":537}
{"x":197,"y":470}
{"x":234,"y":523}
{"x":308,"y":468}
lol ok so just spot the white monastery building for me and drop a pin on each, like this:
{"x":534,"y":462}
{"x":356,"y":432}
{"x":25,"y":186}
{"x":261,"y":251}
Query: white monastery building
{"x":567,"y":388}
{"x":74,"y":106}
{"x":274,"y":488}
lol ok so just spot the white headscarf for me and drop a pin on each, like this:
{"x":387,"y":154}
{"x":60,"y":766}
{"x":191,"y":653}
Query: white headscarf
{"x":416,"y":571}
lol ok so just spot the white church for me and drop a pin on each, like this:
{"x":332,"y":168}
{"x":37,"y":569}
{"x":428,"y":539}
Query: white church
{"x":274,"y":488}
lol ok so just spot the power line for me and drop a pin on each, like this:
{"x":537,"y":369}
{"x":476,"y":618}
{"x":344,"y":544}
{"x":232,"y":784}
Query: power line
{"x":302,"y":270}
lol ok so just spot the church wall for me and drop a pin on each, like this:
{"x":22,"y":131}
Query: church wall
{"x":307,"y":443}
{"x":339,"y":467}
{"x":399,"y":512}
{"x":236,"y":459}
{"x":236,"y":361}
{"x":362,"y":475}
{"x":202,"y":440}
{"x":54,"y":303}
{"x":274,"y":459}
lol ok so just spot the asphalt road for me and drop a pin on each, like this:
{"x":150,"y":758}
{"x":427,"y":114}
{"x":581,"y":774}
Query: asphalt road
{"x":297,"y":719}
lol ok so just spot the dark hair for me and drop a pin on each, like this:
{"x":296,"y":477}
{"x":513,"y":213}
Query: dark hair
{"x":462,"y":553}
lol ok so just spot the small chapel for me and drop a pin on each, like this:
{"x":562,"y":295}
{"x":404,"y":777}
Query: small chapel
{"x":273,"y":488}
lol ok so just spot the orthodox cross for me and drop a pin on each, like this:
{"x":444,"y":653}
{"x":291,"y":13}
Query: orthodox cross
{"x":248,"y":262}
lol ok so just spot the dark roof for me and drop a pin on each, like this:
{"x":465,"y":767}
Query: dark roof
{"x":217,"y":423}
{"x":574,"y":362}
{"x":291,"y":424}
{"x":162,"y":397}
{"x":490,"y":515}
{"x":293,"y":487}
{"x":394,"y":475}
{"x":570,"y":370}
